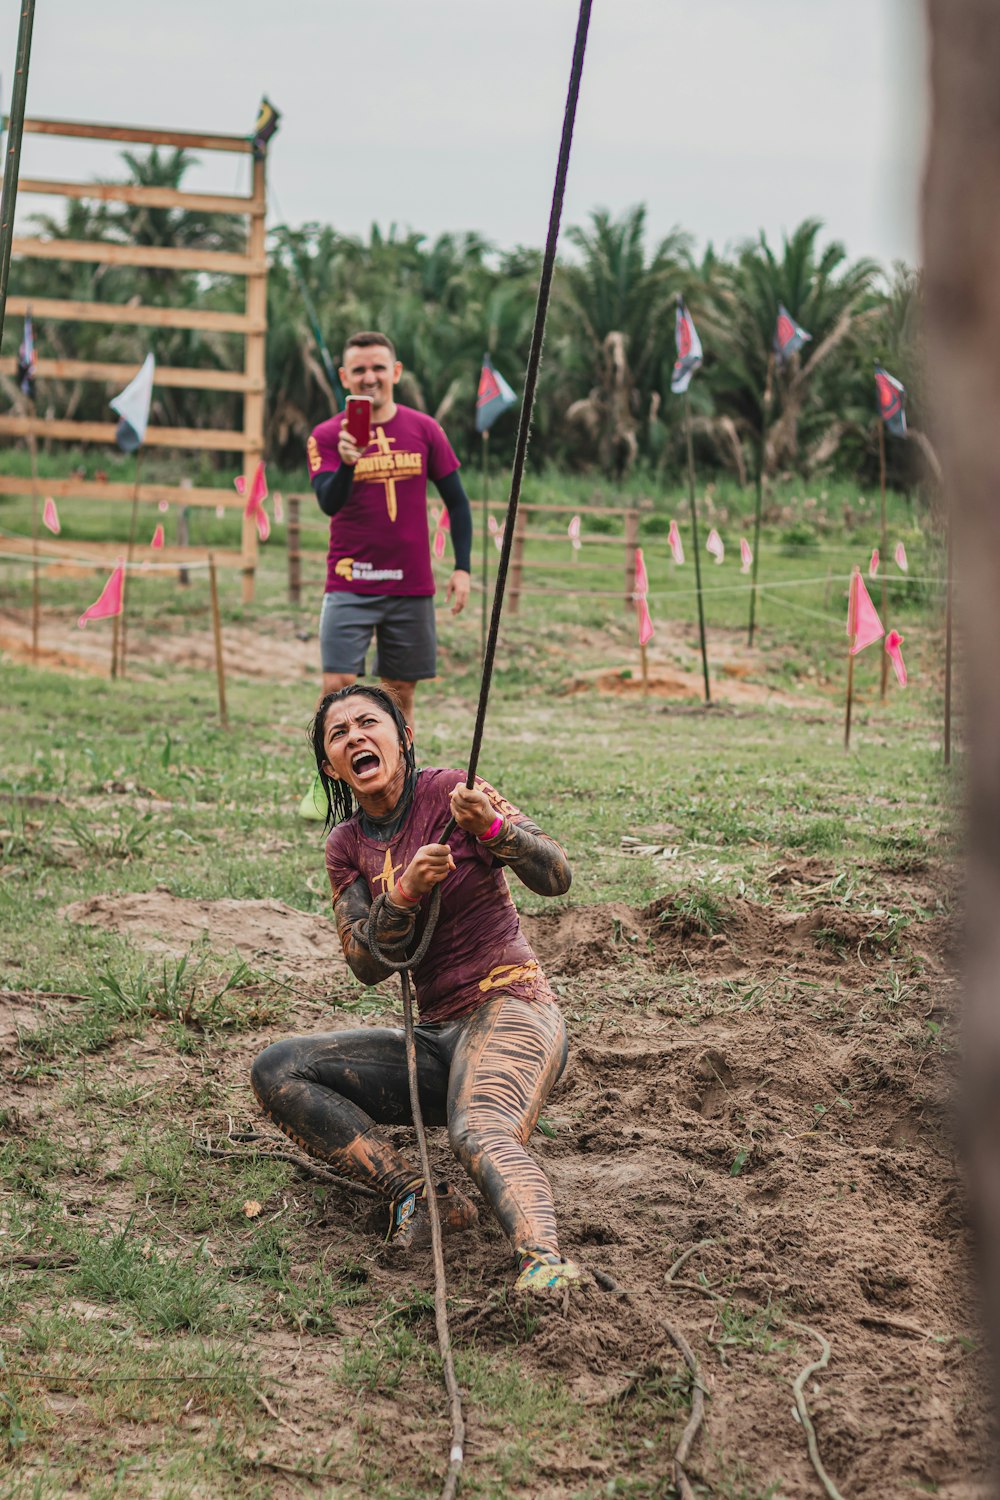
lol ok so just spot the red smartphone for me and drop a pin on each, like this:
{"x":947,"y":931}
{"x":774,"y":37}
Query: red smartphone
{"x":358,"y":420}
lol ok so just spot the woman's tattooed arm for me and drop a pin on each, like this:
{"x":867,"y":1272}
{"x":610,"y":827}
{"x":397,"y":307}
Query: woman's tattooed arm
{"x":393,"y":931}
{"x":537,"y":861}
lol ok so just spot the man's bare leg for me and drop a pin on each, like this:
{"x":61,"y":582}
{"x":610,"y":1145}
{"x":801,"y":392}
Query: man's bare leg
{"x":334,"y":681}
{"x":404,"y":693}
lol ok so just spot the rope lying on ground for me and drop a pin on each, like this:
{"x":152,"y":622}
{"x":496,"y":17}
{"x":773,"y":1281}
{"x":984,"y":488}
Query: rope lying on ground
{"x":798,"y":1386}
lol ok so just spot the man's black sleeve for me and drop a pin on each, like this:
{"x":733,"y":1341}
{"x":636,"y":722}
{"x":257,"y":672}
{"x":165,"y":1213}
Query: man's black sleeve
{"x":452,"y":492}
{"x":333,"y":490}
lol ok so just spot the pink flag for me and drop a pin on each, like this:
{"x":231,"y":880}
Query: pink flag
{"x":220,"y":512}
{"x":873,"y":565}
{"x":498,"y":536}
{"x":109,"y":601}
{"x":279,"y":507}
{"x":163,"y":506}
{"x":863,"y":624}
{"x":715,"y":545}
{"x":157,"y":541}
{"x":50,"y":517}
{"x":676,"y":545}
{"x":893,"y":641}
{"x":443,"y":525}
{"x":639,"y":592}
{"x":263,"y":524}
{"x":573,"y":532}
{"x":901,"y":560}
{"x":492,"y":526}
{"x":257,"y":493}
{"x":641,"y":586}
{"x":746,"y":556}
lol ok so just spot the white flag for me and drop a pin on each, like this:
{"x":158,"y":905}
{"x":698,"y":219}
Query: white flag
{"x":132,"y":407}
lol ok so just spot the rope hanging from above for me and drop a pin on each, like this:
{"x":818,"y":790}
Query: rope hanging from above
{"x":456,"y":1453}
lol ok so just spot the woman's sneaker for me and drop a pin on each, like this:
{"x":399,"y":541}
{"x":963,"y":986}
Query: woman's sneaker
{"x":313,"y":805}
{"x":410,"y":1217}
{"x":544,"y":1271}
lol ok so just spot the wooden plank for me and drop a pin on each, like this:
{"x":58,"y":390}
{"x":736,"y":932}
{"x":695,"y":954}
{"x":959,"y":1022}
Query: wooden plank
{"x":107,"y":553}
{"x":206,"y":440}
{"x":87,"y":130}
{"x":149,"y":257}
{"x":254,"y":366}
{"x":166,"y":375}
{"x":141,"y":197}
{"x":98,"y":489}
{"x":140,"y":317}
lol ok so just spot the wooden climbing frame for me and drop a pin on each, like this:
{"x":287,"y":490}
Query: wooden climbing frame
{"x":248,"y":441}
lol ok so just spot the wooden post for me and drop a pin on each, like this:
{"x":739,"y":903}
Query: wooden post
{"x":183,"y":540}
{"x":947,"y":655}
{"x":631,"y":542}
{"x":293,"y":540}
{"x":253,"y":401}
{"x":121,"y":635}
{"x":516,"y":562}
{"x":35,"y":589}
{"x":695,"y":548}
{"x":12,"y":162}
{"x":883,"y":559}
{"x":220,"y":670}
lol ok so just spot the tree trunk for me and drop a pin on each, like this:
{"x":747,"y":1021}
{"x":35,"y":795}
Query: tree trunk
{"x":962,"y":252}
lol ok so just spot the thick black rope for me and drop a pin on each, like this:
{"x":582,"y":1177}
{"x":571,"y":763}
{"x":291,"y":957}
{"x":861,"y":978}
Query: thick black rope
{"x":403,"y":966}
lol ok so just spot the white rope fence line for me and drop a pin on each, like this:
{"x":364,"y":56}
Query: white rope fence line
{"x":803,"y":609}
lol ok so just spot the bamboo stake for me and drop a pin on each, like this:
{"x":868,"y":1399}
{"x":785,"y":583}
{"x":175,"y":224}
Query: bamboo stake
{"x":220,"y":669}
{"x":35,"y":588}
{"x":645,"y":671}
{"x":694,"y":543}
{"x":12,"y":162}
{"x":947,"y":655}
{"x":765,"y":412}
{"x":486,"y":540}
{"x":883,"y":554}
{"x":123,"y":633}
{"x":850,"y":694}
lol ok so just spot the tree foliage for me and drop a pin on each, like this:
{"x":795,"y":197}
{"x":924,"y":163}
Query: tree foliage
{"x":603,"y":397}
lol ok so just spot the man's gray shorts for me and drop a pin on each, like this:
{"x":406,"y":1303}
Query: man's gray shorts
{"x":404,"y":632}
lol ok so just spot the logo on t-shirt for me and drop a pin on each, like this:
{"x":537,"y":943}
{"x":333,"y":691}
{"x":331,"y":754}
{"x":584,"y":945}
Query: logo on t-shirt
{"x":357,"y":571}
{"x":385,"y":467}
{"x":313,"y":454}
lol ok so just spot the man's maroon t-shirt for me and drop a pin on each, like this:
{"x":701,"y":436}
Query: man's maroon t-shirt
{"x":478,"y":946}
{"x":379,"y":540}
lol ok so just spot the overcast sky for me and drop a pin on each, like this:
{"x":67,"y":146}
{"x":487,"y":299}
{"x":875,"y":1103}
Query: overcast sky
{"x":723,"y":116}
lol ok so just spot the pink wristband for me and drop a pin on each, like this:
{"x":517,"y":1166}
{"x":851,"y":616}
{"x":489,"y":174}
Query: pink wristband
{"x":493,"y":829}
{"x":400,"y":890}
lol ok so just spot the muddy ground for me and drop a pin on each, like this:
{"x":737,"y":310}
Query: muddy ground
{"x":771,"y":1101}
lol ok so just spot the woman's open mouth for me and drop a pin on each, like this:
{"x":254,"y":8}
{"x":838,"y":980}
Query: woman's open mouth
{"x":365,"y":765}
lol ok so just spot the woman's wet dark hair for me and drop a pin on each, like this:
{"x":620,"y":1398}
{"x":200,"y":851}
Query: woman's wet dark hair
{"x":339,"y":802}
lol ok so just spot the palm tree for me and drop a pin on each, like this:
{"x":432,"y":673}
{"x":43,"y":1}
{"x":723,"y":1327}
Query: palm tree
{"x":617,"y":323}
{"x":793,"y":401}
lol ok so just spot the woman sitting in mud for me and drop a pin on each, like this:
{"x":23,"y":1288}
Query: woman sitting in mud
{"x":491,"y":1041}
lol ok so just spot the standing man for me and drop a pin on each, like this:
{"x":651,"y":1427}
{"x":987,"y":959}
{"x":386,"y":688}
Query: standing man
{"x":379,"y":578}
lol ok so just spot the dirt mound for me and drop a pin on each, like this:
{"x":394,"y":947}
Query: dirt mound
{"x":265,"y":933}
{"x":752,"y":1139}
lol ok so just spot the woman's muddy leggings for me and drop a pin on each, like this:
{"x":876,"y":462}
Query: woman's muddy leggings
{"x":485,"y":1076}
